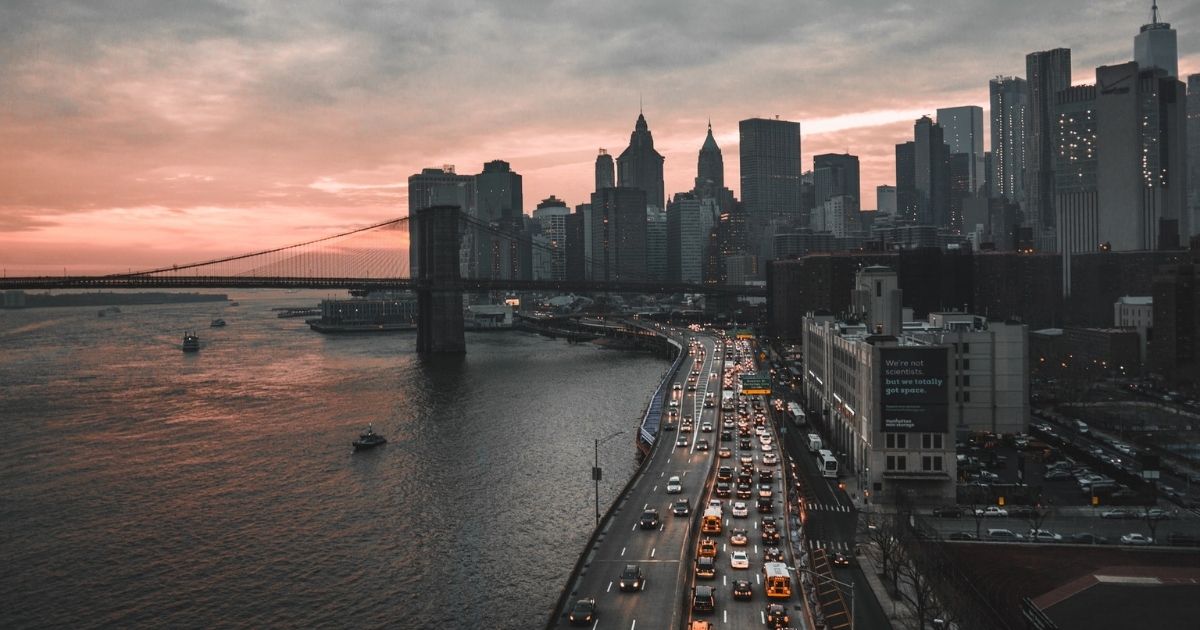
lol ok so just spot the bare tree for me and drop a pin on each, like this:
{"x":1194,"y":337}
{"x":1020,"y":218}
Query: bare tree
{"x":1037,"y":517}
{"x":921,"y":587}
{"x":882,"y":531}
{"x":977,"y":514}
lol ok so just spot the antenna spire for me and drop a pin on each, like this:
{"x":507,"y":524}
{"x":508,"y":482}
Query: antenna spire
{"x":1154,"y":12}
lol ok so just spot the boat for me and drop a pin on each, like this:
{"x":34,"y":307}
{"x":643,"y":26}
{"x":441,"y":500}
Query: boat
{"x":369,"y":439}
{"x":217,"y":323}
{"x":191,"y":342}
{"x":234,"y":304}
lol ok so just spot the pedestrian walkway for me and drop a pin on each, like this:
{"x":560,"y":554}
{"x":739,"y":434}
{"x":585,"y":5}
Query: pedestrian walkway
{"x":826,"y":507}
{"x":897,"y":609}
{"x":831,"y":545}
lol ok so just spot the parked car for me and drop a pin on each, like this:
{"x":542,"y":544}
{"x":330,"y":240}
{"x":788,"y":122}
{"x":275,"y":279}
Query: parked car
{"x":992,"y":511}
{"x":1003,"y":535}
{"x":1136,"y":539}
{"x":962,"y":536}
{"x":1044,"y":535}
{"x":949,"y":511}
{"x":1088,"y":538}
{"x":1118,"y":513}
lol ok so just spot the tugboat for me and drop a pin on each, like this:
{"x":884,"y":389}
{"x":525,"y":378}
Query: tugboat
{"x":370,"y":439}
{"x":191,"y":343}
{"x":217,"y":323}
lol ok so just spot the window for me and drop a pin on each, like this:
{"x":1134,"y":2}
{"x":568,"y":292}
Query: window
{"x":931,"y":463}
{"x":966,"y":380}
{"x":931,"y":441}
{"x":896,"y":440}
{"x":897,"y":462}
{"x":937,"y":462}
{"x":966,"y":348}
{"x":891,"y":462}
{"x":937,"y":440}
{"x":966,"y":396}
{"x":878,"y":288}
{"x":966,"y":364}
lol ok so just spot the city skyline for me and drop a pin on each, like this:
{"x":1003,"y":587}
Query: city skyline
{"x":170,"y":134}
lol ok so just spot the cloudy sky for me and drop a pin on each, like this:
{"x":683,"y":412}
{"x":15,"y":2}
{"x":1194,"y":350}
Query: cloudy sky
{"x":141,"y":132}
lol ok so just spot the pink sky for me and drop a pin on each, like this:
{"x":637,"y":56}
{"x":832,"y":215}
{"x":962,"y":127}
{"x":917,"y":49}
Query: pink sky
{"x":191,"y":130}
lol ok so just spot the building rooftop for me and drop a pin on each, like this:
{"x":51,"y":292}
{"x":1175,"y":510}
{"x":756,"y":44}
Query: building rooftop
{"x":1139,"y":300}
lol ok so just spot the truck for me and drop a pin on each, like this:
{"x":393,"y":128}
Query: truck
{"x":796,"y":414}
{"x":814,"y":442}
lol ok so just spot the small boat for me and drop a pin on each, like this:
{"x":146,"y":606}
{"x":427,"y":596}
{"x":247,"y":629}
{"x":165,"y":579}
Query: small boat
{"x":191,"y":342}
{"x":234,"y":304}
{"x":369,"y":439}
{"x":217,"y":323}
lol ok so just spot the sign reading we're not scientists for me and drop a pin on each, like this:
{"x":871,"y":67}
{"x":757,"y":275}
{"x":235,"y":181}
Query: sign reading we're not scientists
{"x":915,"y":396}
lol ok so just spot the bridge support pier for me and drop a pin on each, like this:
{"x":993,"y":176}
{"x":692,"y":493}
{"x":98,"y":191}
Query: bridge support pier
{"x":435,"y":239}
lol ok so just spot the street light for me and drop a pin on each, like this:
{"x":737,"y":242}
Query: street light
{"x":840,"y":583}
{"x":596,"y":474}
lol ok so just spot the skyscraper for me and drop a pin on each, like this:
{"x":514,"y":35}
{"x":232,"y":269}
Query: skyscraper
{"x":962,"y":129}
{"x":770,"y":164}
{"x":1009,"y":98}
{"x":1193,"y":151}
{"x":1048,"y":73}
{"x":1155,"y":46}
{"x":835,"y":174}
{"x":656,"y":244}
{"x":710,"y":167}
{"x":885,"y":199}
{"x":605,"y":174}
{"x":687,"y":238}
{"x":438,"y":187}
{"x":1076,"y":189}
{"x":640,"y":166}
{"x":906,"y":191}
{"x":619,"y":234}
{"x":499,"y":200}
{"x":499,"y":193}
{"x":551,"y":214}
{"x":931,"y":177}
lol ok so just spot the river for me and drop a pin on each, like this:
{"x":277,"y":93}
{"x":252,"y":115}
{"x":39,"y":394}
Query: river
{"x":144,"y":487}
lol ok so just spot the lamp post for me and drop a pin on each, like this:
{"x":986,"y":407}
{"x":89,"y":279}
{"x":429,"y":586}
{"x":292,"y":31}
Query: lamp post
{"x":596,"y":474}
{"x":850,"y":585}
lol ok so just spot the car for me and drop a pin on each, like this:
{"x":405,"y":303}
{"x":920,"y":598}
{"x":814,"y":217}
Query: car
{"x":1003,"y":535}
{"x":728,"y":423}
{"x":583,"y":613}
{"x":685,"y":426}
{"x":1088,"y":538}
{"x":766,"y":506}
{"x":739,"y":510}
{"x":681,"y":443}
{"x":742,"y":590}
{"x":1136,"y":539}
{"x":767,"y":448}
{"x":962,"y":536}
{"x":1118,"y":513}
{"x":707,"y":427}
{"x":677,"y":387}
{"x":673,"y":403}
{"x":706,"y":567}
{"x":726,"y":436}
{"x":1043,"y":535}
{"x":770,"y":459}
{"x":724,"y":452}
{"x":649,"y":519}
{"x":1056,"y":475}
{"x":722,"y":490}
{"x":744,"y":491}
{"x":745,"y":444}
{"x":700,"y":624}
{"x":840,"y":560}
{"x":714,"y":503}
{"x":701,"y":445}
{"x":770,"y":536}
{"x":991,"y":511}
{"x":1022,"y":511}
{"x":739,"y":560}
{"x":632,"y":579}
{"x":707,"y":547}
{"x":746,"y":460}
{"x":674,"y":485}
{"x":683,"y":507}
{"x":738,"y":537}
{"x":949,"y":511}
{"x":724,"y":473}
{"x":766,"y":490}
{"x":704,"y":599}
{"x":772,"y":554}
{"x":766,"y":474}
{"x":777,"y":616}
{"x":1157,"y":514}
{"x":668,"y":426}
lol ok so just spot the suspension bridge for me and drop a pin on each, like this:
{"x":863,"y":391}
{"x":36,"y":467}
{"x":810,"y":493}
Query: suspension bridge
{"x":450,"y":252}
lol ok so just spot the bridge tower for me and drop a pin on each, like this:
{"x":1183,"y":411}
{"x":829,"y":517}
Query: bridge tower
{"x":435,"y":239}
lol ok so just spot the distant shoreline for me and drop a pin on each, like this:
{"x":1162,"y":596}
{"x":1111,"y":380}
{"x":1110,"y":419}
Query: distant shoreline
{"x":45,"y":300}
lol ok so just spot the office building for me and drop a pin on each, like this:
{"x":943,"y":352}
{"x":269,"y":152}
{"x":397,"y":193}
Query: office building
{"x":1009,"y":101}
{"x":906,"y":185}
{"x":499,"y":201}
{"x":640,"y":166}
{"x":1193,"y":150}
{"x":687,"y":238}
{"x":576,"y":268}
{"x":1137,"y":313}
{"x":837,"y":216}
{"x":441,"y":187}
{"x":551,"y":215}
{"x":606,"y":174}
{"x":619,"y":234}
{"x":710,"y":167}
{"x":835,"y":174}
{"x":1155,"y":46}
{"x":885,"y":199}
{"x":1047,"y":73}
{"x":770,"y":174}
{"x":962,"y":131}
{"x":656,"y":244}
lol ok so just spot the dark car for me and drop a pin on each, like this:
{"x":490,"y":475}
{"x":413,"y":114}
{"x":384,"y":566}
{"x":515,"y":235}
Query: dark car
{"x":701,"y":445}
{"x":962,"y":536}
{"x":766,"y":506}
{"x":632,"y":579}
{"x":649,"y":519}
{"x":682,"y":507}
{"x":726,"y":436}
{"x":766,"y":474}
{"x":706,"y":567}
{"x":742,"y":590}
{"x":777,"y":616}
{"x":1087,"y":538}
{"x":724,"y":473}
{"x":1022,"y":511}
{"x":949,"y":511}
{"x":773,"y":554}
{"x":668,"y":426}
{"x":583,"y":613}
{"x":723,"y":489}
{"x":704,"y":599}
{"x":770,"y":536}
{"x":840,"y":560}
{"x":744,"y":491}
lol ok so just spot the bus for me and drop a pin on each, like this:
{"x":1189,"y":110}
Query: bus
{"x":796,"y":413}
{"x":712,"y":521}
{"x":778,"y":580}
{"x":829,"y":465}
{"x":814,"y":442}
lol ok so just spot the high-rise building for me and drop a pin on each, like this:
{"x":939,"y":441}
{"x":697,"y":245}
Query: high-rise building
{"x":1155,"y":46}
{"x":619,"y":234}
{"x":770,"y":174}
{"x":959,"y":173}
{"x":606,"y":176}
{"x":551,"y":214}
{"x":906,"y":185}
{"x":498,"y":203}
{"x":710,"y":167}
{"x":442,"y":187}
{"x":656,"y":243}
{"x":931,"y":177}
{"x":576,"y":269}
{"x":498,"y":192}
{"x":885,"y":199}
{"x":1009,"y":99}
{"x":1048,"y":73}
{"x":962,"y":130}
{"x":687,"y":237}
{"x":1076,"y":196}
{"x":835,"y":174}
{"x":640,"y":166}
{"x":1193,"y":150}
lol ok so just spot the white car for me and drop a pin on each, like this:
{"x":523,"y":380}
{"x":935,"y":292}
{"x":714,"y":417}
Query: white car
{"x":706,"y":427}
{"x":739,"y":560}
{"x":674,"y":485}
{"x":770,"y":458}
{"x":1044,"y":535}
{"x":1136,"y":539}
{"x":991,"y":510}
{"x":767,"y":448}
{"x":740,"y":510}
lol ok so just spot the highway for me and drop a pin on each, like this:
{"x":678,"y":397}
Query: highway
{"x":662,"y":553}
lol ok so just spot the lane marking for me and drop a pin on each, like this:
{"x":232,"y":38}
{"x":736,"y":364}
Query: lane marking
{"x":634,"y":625}
{"x":652,"y":550}
{"x":609,"y":589}
{"x":634,"y":528}
{"x":622,"y":551}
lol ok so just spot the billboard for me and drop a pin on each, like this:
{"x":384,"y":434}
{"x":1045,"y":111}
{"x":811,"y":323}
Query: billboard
{"x":915,"y":393}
